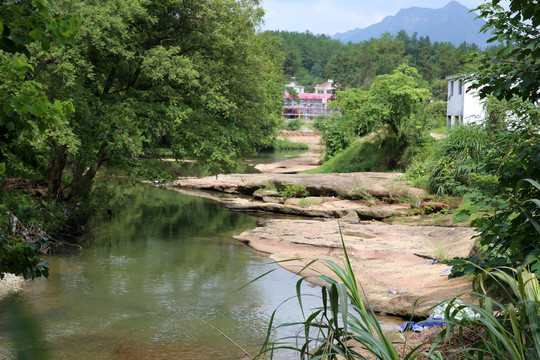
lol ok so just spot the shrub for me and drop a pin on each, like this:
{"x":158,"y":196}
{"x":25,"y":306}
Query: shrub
{"x":293,"y":191}
{"x":337,"y":133}
{"x":293,"y":124}
{"x":281,"y":145}
{"x":456,"y":159}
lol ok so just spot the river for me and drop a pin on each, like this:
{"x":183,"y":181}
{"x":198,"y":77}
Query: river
{"x":145,"y":278}
{"x":159,"y":280}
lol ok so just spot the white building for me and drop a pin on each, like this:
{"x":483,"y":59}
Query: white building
{"x":464,"y":106}
{"x":299,"y":89}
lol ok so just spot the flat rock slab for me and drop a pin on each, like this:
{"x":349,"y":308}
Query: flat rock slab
{"x":350,"y":185}
{"x":325,"y":209}
{"x":290,"y":166}
{"x":389,"y":261}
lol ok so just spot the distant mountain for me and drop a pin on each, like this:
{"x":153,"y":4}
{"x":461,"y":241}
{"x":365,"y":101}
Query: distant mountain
{"x":452,"y":23}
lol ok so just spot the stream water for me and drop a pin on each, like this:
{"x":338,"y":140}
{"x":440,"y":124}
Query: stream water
{"x":159,"y":280}
{"x":147,"y":277}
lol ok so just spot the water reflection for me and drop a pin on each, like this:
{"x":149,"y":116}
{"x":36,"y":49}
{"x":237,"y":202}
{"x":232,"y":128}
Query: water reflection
{"x":133,"y":292}
{"x":246,"y":166}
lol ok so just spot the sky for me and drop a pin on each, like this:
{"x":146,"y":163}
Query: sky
{"x":333,"y":16}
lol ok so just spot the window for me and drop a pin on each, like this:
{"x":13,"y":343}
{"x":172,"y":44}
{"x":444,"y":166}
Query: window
{"x":451,"y":88}
{"x":459,"y":87}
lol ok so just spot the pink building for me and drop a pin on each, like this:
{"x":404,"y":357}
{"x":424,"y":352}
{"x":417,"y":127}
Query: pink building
{"x":306,"y":105}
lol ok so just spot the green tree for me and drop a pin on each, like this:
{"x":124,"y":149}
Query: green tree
{"x":24,"y":107}
{"x":392,"y":108}
{"x":513,"y":69}
{"x":508,"y":198}
{"x":196,"y":77}
{"x":23,"y":103}
{"x":388,"y":105}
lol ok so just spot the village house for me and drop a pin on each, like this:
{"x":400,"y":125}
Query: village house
{"x":299,"y":89}
{"x":325,"y":88}
{"x":307,"y":105}
{"x":463,"y":106}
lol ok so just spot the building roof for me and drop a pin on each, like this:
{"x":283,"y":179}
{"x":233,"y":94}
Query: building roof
{"x":325,"y":85}
{"x":309,"y":96}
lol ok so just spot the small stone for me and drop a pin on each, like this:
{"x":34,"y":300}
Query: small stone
{"x":351,"y":216}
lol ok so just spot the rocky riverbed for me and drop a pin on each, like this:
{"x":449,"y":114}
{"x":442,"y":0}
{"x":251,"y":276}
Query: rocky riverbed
{"x":397,"y":262}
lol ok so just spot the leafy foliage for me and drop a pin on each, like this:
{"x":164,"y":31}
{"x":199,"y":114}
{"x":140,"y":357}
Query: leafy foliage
{"x":457,"y":160}
{"x":23,"y":103}
{"x":293,"y":124}
{"x":505,"y":202}
{"x":195,"y":78}
{"x":392,"y":109}
{"x":337,"y":133}
{"x":512,"y":69}
{"x":504,"y":330}
{"x":24,"y":106}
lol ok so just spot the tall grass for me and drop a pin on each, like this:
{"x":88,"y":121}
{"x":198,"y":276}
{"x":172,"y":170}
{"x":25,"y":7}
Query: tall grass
{"x":345,"y":327}
{"x":459,"y":155}
{"x":508,"y":329}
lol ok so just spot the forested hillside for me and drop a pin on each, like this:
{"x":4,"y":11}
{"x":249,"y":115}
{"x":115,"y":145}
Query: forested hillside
{"x":313,"y":59}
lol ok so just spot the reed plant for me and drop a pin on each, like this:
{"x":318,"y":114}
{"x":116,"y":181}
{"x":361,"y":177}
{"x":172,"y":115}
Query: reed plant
{"x":504,"y":329}
{"x":346,"y":327}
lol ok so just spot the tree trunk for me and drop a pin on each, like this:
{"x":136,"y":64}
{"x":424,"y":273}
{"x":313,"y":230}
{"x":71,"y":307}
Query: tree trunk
{"x":81,"y":185}
{"x":55,"y":171}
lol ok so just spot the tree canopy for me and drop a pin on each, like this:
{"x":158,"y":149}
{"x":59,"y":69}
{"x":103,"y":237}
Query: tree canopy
{"x":513,"y":68}
{"x":197,"y":78}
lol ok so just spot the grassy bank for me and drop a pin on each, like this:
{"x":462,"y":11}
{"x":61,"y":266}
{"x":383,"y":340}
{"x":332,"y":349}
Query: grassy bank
{"x":359,"y":156}
{"x":282,"y":145}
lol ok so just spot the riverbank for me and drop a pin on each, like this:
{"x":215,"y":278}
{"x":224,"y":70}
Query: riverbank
{"x":395,"y":264}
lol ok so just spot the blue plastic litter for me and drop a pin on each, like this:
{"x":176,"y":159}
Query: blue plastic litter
{"x":459,"y":312}
{"x":417,"y":327}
